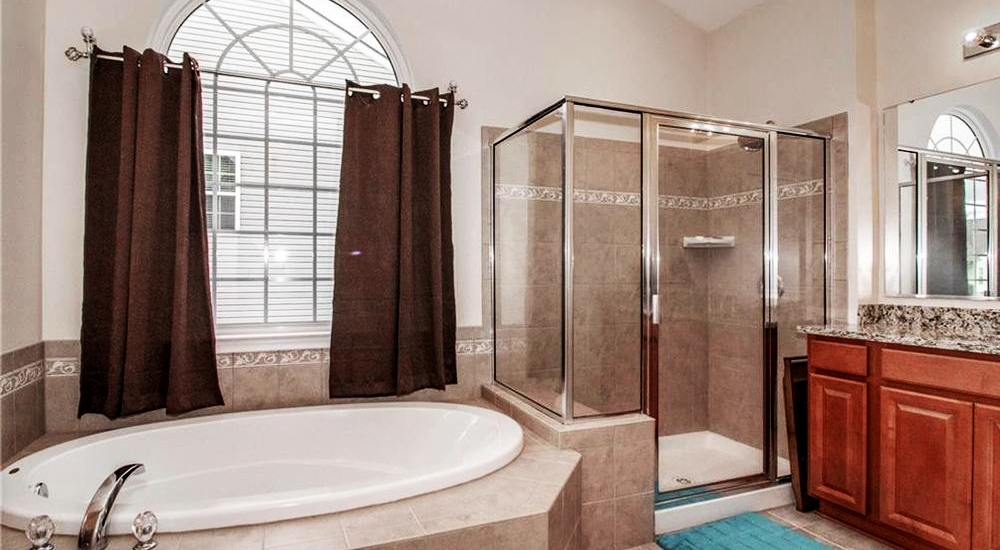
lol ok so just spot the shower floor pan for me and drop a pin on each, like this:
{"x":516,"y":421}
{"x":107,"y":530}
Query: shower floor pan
{"x":698,"y":458}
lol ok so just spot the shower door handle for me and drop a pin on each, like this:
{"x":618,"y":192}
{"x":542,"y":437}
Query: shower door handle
{"x":655,"y":309}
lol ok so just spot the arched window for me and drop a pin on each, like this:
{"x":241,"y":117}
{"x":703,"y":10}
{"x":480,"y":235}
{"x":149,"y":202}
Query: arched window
{"x":952,"y":134}
{"x":273,"y":75}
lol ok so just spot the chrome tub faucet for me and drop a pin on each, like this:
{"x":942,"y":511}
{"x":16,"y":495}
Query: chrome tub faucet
{"x":94,"y":528}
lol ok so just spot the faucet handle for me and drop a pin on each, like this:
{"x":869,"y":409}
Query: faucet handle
{"x":39,"y":532}
{"x":144,"y":528}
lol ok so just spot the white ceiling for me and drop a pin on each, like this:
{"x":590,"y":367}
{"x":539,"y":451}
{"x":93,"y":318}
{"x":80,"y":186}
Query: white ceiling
{"x":710,"y":14}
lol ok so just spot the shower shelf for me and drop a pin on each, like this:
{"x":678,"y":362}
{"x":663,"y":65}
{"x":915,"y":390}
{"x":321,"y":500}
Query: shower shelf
{"x":726,"y":241}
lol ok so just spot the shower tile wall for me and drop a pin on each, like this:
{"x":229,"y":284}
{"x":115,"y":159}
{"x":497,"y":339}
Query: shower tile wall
{"x":607,"y":270}
{"x":529,"y":265}
{"x":838,"y":197}
{"x":734,"y":309}
{"x":684,"y":377}
{"x":607,"y":275}
{"x":711,"y":342}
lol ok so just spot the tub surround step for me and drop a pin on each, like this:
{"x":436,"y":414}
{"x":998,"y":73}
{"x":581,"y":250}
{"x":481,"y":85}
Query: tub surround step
{"x":618,"y":468}
{"x":533,"y":503}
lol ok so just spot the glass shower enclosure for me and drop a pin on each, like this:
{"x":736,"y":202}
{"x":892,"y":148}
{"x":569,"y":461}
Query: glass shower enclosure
{"x":660,"y":262}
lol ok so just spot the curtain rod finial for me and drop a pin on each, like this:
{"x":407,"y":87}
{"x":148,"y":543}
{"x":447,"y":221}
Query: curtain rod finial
{"x":453,"y":88}
{"x":75,"y":54}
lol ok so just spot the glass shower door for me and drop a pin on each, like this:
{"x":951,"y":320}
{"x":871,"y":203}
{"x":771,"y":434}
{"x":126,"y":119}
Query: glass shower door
{"x":712,"y":196}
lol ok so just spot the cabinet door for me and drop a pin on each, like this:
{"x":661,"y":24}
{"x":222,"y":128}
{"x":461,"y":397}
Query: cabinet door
{"x":926,"y":467}
{"x":838,"y":430}
{"x":986,"y":489}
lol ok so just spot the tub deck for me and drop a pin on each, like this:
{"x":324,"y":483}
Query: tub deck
{"x":533,"y":503}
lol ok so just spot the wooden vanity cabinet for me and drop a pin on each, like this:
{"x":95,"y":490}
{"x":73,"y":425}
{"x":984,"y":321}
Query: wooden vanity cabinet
{"x":838,"y":428}
{"x":986,"y":479}
{"x":907,"y":447}
{"x":926,"y":466}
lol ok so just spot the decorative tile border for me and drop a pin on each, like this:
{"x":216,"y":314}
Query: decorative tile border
{"x":70,"y":366}
{"x":528,"y":192}
{"x":22,"y":377}
{"x":474,"y":347}
{"x":64,"y":366}
{"x":607,"y":197}
{"x":512,"y":345}
{"x":679,"y":202}
{"x":555,"y":194}
{"x":274,"y":358}
{"x":735,"y":200}
{"x":800,"y":189}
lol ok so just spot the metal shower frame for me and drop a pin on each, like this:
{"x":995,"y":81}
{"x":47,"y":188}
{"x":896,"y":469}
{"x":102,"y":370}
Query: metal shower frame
{"x":651,"y":118}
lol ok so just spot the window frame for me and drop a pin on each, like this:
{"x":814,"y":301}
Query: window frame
{"x":237,"y":338}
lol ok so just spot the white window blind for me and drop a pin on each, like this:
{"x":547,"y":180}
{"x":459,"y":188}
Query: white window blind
{"x":273,"y":147}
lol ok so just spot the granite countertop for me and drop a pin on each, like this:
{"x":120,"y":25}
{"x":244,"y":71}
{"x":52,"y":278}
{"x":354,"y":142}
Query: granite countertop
{"x":928,"y":339}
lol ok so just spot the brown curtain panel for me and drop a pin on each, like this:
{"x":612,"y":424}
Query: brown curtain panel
{"x":148,"y":337}
{"x":394,"y":289}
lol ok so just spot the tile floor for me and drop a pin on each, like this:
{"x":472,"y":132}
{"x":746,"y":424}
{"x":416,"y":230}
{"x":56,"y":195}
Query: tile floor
{"x":825,"y":530}
{"x":813,"y":526}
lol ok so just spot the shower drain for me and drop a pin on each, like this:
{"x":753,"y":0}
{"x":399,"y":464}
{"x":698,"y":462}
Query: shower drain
{"x":682,"y":480}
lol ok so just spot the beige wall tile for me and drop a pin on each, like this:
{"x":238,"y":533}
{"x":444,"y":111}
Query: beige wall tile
{"x":8,"y":443}
{"x":61,"y":402}
{"x":634,"y":466}
{"x":597,"y":525}
{"x":232,"y":538}
{"x":598,"y":473}
{"x":633,"y":520}
{"x":578,"y":438}
{"x":325,"y":529}
{"x":15,"y":359}
{"x":300,"y":385}
{"x":380,"y":524}
{"x":254,"y":388}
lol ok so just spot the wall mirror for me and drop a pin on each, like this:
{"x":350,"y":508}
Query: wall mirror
{"x":940,"y":194}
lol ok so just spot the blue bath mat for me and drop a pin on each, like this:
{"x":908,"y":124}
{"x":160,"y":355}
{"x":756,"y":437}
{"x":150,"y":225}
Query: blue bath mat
{"x":742,"y":532}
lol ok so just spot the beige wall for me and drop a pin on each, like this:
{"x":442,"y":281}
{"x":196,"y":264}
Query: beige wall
{"x":21,"y":144}
{"x":792,"y":61}
{"x":920,"y":47}
{"x":920,"y":54}
{"x":510,"y":58}
{"x":786,"y":60}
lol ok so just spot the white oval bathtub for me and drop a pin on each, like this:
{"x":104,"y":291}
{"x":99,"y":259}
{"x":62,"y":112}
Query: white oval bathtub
{"x":258,"y":467}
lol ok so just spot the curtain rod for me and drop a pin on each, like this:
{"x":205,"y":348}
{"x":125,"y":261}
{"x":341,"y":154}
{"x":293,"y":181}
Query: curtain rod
{"x":89,"y":42}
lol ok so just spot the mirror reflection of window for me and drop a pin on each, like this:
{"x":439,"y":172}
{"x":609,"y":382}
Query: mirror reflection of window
{"x":952,"y":134}
{"x":957,"y":193}
{"x":940,"y":210}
